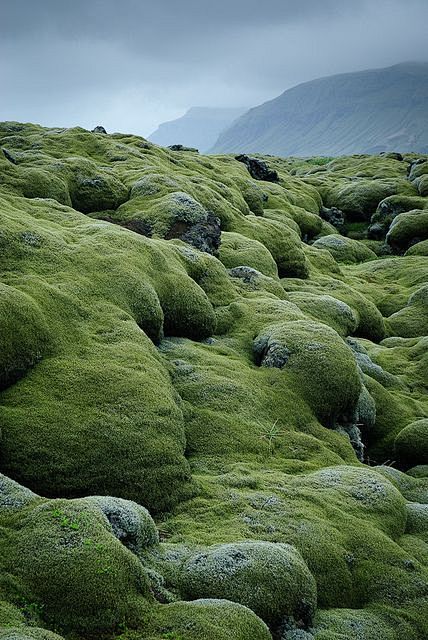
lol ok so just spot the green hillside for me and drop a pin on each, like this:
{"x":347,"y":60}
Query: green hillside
{"x":213,"y":393}
{"x":364,"y":112}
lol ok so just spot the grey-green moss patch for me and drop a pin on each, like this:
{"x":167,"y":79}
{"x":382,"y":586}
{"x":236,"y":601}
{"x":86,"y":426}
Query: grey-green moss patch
{"x":345,"y":249}
{"x":272,"y":580}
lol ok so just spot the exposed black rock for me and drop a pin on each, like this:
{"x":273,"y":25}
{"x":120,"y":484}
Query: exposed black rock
{"x":204,"y":235}
{"x":181,"y":147}
{"x":334,"y":216}
{"x":99,"y":129}
{"x":258,"y":169}
{"x":9,"y":156}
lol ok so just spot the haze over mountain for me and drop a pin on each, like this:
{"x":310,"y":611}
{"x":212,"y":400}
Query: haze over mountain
{"x":199,"y":127}
{"x":364,"y":112}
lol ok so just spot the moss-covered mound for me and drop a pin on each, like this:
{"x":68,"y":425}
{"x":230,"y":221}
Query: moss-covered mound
{"x":213,"y":393}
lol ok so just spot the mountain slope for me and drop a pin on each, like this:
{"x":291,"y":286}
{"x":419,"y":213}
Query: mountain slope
{"x":199,"y":127}
{"x":364,"y":112}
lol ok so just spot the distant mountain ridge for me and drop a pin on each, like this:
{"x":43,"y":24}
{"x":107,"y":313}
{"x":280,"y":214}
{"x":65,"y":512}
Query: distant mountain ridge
{"x":199,"y":127}
{"x":362,"y":112}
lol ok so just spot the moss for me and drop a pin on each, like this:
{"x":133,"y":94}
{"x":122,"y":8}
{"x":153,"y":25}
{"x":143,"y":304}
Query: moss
{"x":345,"y":249}
{"x":165,"y":213}
{"x":28,"y":633}
{"x":422,"y":185}
{"x":237,"y":250}
{"x":138,"y":383}
{"x":407,"y":229}
{"x":370,"y":325}
{"x":365,"y":624}
{"x":130,"y":523}
{"x":10,"y":615}
{"x":272,"y":580}
{"x":209,"y":618}
{"x":253,"y":196}
{"x":24,"y":336}
{"x":359,"y":199}
{"x":65,"y":557}
{"x":333,"y":312}
{"x":317,"y":361}
{"x":419,"y":471}
{"x":418,"y":249}
{"x":92,"y":189}
{"x":390,"y":207}
{"x":39,"y":183}
{"x":282,"y":242}
{"x":411,"y":321}
{"x":411,"y":444}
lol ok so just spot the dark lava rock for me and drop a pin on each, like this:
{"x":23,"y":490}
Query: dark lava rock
{"x":99,"y":129}
{"x":258,"y":169}
{"x":247,"y":274}
{"x":203,"y":235}
{"x":270,"y":353}
{"x":9,"y":156}
{"x":376,"y":231}
{"x":138,"y":226}
{"x":334,"y":216}
{"x":354,"y":435}
{"x":414,"y":163}
{"x":393,"y":155}
{"x":180,"y":147}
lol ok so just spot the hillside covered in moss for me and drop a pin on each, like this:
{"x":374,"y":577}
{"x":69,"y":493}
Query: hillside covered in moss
{"x":213,"y":378}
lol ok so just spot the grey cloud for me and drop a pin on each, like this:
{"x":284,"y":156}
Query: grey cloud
{"x":133,"y":64}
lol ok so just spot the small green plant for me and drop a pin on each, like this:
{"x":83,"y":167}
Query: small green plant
{"x":31,"y":610}
{"x":320,"y":160}
{"x":270,"y":434}
{"x":65,"y":521}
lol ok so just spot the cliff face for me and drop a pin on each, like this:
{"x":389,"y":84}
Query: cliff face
{"x":199,"y":127}
{"x":213,"y":400}
{"x":365,"y":112}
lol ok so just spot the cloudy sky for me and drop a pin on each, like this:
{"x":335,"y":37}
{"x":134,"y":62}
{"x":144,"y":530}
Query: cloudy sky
{"x":131,"y":64}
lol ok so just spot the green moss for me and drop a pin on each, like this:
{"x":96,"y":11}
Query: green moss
{"x":10,"y":615}
{"x":385,"y":623}
{"x":24,"y":336}
{"x":411,"y":444}
{"x":407,"y":229}
{"x":92,"y":189}
{"x":130,"y":373}
{"x":318,"y":363}
{"x":237,"y":250}
{"x":422,"y":184}
{"x":345,"y":249}
{"x":419,"y":471}
{"x":28,"y":633}
{"x":272,"y":580}
{"x":210,"y":618}
{"x":282,"y":242}
{"x":412,"y":320}
{"x":418,"y":249}
{"x":393,"y":205}
{"x":358,"y":199}
{"x":66,"y":559}
{"x":370,"y":321}
{"x":337,"y":314}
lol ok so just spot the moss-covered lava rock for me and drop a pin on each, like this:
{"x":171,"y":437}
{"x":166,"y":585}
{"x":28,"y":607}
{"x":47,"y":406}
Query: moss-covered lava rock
{"x":213,"y":393}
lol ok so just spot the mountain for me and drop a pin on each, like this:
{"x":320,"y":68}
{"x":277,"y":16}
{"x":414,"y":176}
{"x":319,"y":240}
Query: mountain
{"x":363,"y":112}
{"x":199,"y":127}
